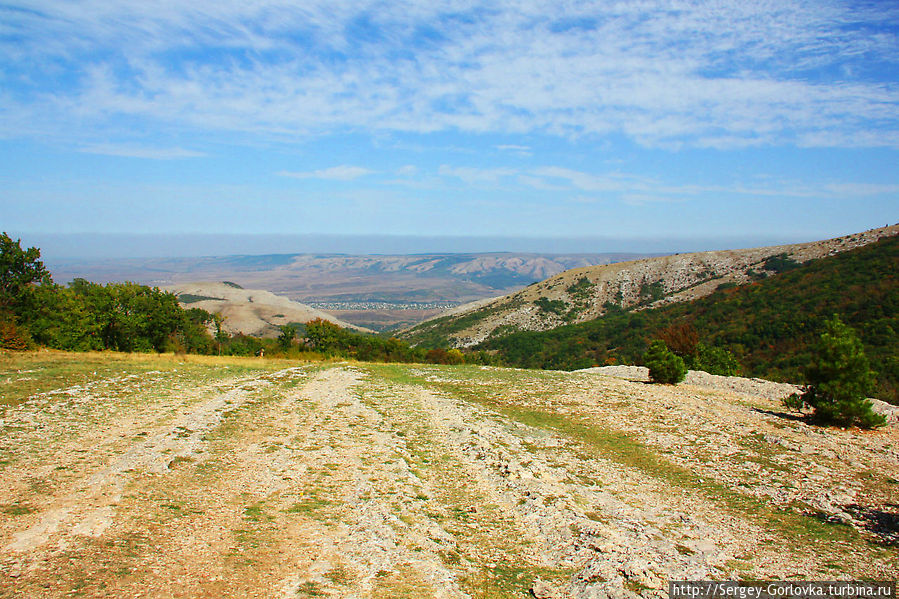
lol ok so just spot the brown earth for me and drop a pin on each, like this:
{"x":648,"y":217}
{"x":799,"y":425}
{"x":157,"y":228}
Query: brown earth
{"x":190,"y":477}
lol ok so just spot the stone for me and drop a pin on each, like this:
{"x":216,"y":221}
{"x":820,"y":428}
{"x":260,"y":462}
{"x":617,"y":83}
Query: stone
{"x":543,"y":590}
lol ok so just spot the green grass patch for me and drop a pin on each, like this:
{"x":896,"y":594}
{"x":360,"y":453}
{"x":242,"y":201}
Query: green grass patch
{"x":254,"y":513}
{"x":190,"y":298}
{"x":506,"y":579}
{"x":311,"y":589}
{"x":309,"y":506}
{"x":17,"y":509}
{"x":24,"y":374}
{"x":340,"y":575}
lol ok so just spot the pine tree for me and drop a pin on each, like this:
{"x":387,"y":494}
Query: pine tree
{"x":839,"y":379}
{"x":664,"y":365}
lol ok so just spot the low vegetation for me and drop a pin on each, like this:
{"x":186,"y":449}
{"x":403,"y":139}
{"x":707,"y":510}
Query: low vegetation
{"x":85,"y":316}
{"x":241,"y":477}
{"x":765,"y":329}
{"x":664,"y":365}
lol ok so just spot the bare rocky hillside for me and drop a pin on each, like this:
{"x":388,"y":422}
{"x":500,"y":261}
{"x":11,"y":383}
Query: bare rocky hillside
{"x":249,"y":311}
{"x":583,"y":294}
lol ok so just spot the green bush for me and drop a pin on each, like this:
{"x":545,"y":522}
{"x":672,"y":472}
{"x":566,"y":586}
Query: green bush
{"x":770,"y":327}
{"x":664,"y":366}
{"x":549,"y":306}
{"x":780,"y":263}
{"x":715,"y":360}
{"x":285,"y":339}
{"x":839,"y":379}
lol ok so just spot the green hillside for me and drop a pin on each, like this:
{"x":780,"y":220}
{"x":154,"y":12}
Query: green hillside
{"x":768,"y":325}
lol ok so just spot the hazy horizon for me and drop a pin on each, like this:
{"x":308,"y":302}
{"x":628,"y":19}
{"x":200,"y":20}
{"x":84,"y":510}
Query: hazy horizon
{"x":61,"y":248}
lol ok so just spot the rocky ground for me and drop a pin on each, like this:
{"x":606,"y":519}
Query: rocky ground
{"x":186,"y":478}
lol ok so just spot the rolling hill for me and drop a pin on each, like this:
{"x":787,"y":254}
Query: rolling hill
{"x":376,"y":291}
{"x":584,"y":294}
{"x":771,"y":325}
{"x":249,"y":311}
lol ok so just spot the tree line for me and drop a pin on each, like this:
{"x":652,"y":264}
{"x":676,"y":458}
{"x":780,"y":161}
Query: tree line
{"x":84,"y":316}
{"x":129,"y":317}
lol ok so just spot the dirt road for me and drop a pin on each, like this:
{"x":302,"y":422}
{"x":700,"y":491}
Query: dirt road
{"x":414,"y":481}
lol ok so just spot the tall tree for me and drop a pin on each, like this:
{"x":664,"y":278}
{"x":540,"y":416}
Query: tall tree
{"x":19,"y":269}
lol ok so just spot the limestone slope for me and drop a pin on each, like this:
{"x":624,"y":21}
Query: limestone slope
{"x":582,"y":294}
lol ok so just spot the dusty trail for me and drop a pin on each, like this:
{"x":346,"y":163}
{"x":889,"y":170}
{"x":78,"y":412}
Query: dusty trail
{"x":376,"y":481}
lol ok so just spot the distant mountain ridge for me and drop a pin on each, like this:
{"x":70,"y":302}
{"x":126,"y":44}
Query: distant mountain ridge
{"x":584,"y":294}
{"x":457,"y":277}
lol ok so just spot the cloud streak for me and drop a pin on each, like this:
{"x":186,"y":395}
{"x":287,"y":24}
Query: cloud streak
{"x":133,"y":151}
{"x":637,"y":189}
{"x":335,"y":173}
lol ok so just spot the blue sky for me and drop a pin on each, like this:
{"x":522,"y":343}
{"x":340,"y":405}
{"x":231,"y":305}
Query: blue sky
{"x":632,"y":120}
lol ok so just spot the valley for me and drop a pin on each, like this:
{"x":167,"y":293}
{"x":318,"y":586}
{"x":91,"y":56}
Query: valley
{"x":387,"y":291}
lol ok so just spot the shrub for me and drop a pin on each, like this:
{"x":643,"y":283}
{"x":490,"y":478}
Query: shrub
{"x":549,"y":306}
{"x":664,"y":366}
{"x":285,"y":339}
{"x":12,"y":336}
{"x":839,"y":379}
{"x":715,"y":360}
{"x":652,"y":292}
{"x":780,"y":263}
{"x":442,"y":356}
{"x":681,"y":338}
{"x":454,"y":356}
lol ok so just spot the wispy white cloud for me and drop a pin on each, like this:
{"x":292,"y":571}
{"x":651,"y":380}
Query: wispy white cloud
{"x":133,"y":151}
{"x":516,"y":149}
{"x":540,"y":183}
{"x":335,"y":173}
{"x":642,"y":199}
{"x":634,"y":189}
{"x":476,"y":176}
{"x":861,"y":189}
{"x":591,"y":182}
{"x":723,"y":75}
